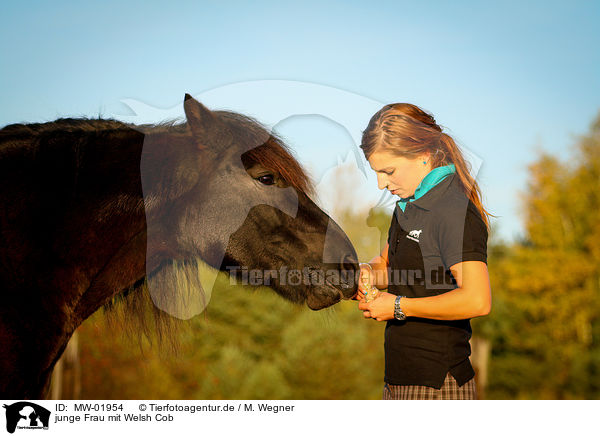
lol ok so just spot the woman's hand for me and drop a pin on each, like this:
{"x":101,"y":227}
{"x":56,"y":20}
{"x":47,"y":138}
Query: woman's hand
{"x":365,"y":279}
{"x":381,"y":308}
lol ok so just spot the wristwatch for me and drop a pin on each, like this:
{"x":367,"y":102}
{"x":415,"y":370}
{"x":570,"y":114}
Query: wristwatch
{"x":398,"y":314}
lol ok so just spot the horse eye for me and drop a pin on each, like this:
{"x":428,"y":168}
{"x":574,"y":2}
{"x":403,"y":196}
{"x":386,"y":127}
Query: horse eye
{"x":267,"y":179}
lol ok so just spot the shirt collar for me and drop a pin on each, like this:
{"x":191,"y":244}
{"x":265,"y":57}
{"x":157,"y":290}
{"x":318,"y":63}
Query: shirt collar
{"x":433,"y":178}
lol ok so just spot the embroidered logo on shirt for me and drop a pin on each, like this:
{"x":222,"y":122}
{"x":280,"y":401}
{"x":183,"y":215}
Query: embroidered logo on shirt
{"x":414,"y":235}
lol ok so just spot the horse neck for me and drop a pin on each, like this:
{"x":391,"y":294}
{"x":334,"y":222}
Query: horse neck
{"x":77,"y":202}
{"x":73,"y":234}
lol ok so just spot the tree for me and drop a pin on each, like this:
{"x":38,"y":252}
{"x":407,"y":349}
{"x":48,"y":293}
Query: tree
{"x":544,"y":324}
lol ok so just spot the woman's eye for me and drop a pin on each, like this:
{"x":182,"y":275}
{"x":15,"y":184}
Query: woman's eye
{"x":267,"y":179}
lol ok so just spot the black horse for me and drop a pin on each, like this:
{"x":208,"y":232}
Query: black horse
{"x":95,"y":208}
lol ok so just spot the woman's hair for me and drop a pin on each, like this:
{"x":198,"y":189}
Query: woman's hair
{"x":406,"y":130}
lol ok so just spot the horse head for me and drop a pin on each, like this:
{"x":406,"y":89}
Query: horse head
{"x":227,"y":192}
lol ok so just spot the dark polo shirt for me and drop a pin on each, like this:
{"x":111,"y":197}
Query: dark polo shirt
{"x":436,"y":231}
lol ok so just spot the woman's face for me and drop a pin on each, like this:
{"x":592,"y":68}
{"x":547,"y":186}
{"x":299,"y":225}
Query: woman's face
{"x":400,"y":175}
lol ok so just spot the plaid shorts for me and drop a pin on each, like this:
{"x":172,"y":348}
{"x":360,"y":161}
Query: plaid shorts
{"x":449,"y":391}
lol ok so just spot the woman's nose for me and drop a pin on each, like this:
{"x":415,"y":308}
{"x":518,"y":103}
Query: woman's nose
{"x":382,"y":181}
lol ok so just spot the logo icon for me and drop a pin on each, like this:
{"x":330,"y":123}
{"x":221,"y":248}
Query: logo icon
{"x":26,"y":415}
{"x":414,"y":235}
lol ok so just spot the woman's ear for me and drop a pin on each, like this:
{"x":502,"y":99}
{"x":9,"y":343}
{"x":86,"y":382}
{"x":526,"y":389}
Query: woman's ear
{"x":425,"y":158}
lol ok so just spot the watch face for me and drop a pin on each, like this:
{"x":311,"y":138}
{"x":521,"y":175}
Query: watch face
{"x":399,"y":315}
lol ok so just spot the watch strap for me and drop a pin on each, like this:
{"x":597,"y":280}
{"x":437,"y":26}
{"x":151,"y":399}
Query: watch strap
{"x":398,"y":314}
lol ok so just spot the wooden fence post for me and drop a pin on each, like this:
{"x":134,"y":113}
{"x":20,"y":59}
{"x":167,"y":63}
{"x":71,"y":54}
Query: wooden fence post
{"x":66,"y":377}
{"x":480,"y":352}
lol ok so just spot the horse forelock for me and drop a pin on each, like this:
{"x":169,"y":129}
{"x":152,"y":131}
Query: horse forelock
{"x":270,"y":151}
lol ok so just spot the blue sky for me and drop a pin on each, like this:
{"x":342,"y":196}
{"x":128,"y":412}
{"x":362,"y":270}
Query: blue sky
{"x":506,"y":78}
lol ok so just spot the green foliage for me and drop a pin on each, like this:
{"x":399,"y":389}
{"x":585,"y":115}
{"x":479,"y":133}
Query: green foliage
{"x":544,"y":326}
{"x":326,"y":360}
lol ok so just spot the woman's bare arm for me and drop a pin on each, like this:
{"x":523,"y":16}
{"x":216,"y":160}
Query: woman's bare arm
{"x":471,"y":299}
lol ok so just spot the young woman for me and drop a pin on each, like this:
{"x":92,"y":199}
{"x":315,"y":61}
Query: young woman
{"x":434,"y":264}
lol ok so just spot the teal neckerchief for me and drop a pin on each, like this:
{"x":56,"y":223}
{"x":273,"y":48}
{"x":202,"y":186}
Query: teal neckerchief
{"x":432,"y":178}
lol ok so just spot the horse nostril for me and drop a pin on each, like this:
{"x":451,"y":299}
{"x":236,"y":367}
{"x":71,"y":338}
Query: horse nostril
{"x":348,"y":271}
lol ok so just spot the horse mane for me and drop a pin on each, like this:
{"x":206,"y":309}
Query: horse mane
{"x":134,"y":311}
{"x":273,"y":154}
{"x":63,"y":125}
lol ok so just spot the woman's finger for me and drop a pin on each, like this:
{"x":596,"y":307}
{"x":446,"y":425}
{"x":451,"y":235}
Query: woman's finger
{"x":364,"y":278}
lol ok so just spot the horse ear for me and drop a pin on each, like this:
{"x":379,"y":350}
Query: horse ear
{"x":210,"y":132}
{"x":200,"y":119}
